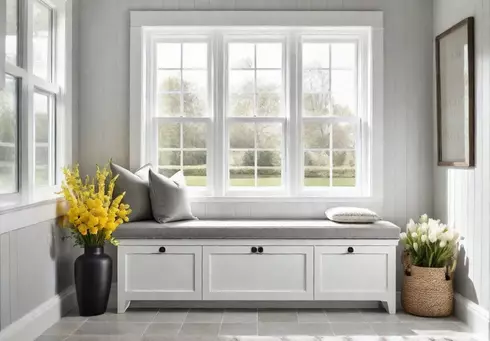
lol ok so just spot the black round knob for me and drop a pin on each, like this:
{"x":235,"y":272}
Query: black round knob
{"x":162,"y":249}
{"x":261,"y":249}
{"x":350,"y":249}
{"x":254,"y":249}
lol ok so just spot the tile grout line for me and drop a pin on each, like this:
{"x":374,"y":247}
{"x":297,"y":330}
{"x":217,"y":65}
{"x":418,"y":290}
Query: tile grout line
{"x":326,"y":315}
{"x":221,"y":323}
{"x":73,"y":332}
{"x":257,"y":310}
{"x":183,"y":321}
{"x":149,"y":324}
{"x":371,"y":327}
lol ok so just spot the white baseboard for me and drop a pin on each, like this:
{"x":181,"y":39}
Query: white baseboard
{"x":30,"y":326}
{"x":477,"y":318}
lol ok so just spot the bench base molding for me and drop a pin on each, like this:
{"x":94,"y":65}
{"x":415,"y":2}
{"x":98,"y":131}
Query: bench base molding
{"x":254,"y":271}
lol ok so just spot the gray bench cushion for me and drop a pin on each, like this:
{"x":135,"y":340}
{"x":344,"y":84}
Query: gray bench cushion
{"x":256,"y":229}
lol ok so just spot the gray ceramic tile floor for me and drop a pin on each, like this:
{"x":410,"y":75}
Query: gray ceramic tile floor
{"x":254,"y":325}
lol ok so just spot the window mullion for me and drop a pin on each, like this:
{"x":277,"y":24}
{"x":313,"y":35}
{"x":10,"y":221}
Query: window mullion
{"x":15,"y":71}
{"x":255,"y":115}
{"x":260,"y":119}
{"x":26,"y":102}
{"x":181,"y":132}
{"x":52,"y":148}
{"x":255,"y":155}
{"x":294,"y":163}
{"x":182,"y":79}
{"x":151,"y":103}
{"x":45,"y":85}
{"x":330,"y":128}
{"x":210,"y":153}
{"x":330,"y":110}
{"x":219,"y":141}
{"x":332,"y":119}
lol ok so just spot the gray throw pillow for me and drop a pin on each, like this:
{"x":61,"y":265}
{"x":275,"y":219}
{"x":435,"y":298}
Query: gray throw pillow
{"x":169,"y":200}
{"x":137,"y":193}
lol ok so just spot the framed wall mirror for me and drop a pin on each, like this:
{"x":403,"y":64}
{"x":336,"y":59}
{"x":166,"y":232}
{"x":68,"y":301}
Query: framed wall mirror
{"x":455,"y":77}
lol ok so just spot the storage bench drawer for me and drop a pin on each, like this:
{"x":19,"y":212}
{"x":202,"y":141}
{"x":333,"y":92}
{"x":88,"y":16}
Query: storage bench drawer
{"x":163,"y":272}
{"x":255,"y":272}
{"x":351,"y":272}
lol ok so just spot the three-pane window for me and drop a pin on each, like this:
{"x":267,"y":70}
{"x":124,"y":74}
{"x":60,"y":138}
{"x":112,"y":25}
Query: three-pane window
{"x":278,"y":113}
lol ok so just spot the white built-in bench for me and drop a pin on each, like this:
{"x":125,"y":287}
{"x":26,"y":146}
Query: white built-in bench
{"x":251,"y":260}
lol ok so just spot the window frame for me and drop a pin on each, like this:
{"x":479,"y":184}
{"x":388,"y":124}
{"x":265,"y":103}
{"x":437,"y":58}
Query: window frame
{"x":151,"y":115}
{"x":55,"y":87}
{"x":361,"y":120}
{"x":145,"y":24}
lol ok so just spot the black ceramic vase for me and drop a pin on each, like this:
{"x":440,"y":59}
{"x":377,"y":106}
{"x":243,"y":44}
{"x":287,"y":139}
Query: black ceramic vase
{"x":93,"y":278}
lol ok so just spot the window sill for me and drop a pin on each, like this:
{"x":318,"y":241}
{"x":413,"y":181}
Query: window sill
{"x":8,"y":207}
{"x":284,"y":199}
{"x":26,"y":212}
{"x":41,"y":196}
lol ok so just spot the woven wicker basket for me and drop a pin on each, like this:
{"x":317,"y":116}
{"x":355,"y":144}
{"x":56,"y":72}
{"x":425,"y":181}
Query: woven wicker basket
{"x":427,"y":291}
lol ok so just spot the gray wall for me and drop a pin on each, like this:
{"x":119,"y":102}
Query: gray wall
{"x":35,"y":265}
{"x":104,"y":89}
{"x":104,"y":95}
{"x":462,"y":196}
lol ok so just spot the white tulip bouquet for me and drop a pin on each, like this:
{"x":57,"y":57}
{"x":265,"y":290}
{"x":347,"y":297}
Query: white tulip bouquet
{"x":430,"y":243}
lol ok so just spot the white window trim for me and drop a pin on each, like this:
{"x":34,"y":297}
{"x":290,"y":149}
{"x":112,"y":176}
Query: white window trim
{"x":142,"y":22}
{"x":60,"y":88}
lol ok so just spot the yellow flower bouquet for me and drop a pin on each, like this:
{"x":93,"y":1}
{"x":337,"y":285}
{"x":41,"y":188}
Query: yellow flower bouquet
{"x":93,"y":213}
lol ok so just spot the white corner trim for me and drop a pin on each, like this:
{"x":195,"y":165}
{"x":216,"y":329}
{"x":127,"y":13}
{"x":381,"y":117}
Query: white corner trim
{"x":257,"y":18}
{"x":137,"y":117}
{"x":476,"y":317}
{"x":30,"y":326}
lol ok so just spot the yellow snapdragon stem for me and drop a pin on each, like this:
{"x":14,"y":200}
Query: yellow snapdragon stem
{"x":93,"y":213}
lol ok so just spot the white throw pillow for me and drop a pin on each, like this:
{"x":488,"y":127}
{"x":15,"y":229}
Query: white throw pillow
{"x":351,"y":215}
